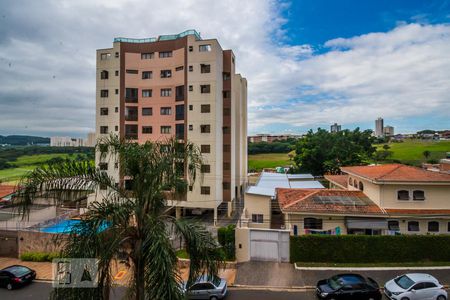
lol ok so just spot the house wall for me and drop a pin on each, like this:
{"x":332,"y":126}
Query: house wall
{"x":329,"y":223}
{"x":258,"y":204}
{"x":436,"y":197}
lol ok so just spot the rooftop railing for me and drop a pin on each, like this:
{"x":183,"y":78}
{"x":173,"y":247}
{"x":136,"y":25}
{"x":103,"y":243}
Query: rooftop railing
{"x":167,"y":37}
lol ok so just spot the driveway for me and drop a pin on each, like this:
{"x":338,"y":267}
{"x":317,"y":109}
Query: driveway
{"x":285,"y":275}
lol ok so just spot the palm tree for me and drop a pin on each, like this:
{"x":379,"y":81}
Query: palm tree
{"x":138,"y":221}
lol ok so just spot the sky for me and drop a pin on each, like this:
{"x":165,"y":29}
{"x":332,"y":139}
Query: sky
{"x":309,"y":63}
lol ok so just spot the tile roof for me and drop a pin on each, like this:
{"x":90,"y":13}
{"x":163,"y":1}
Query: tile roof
{"x":399,"y":211}
{"x":6,"y":190}
{"x":326,"y":201}
{"x":341,"y":180}
{"x":396,"y":172}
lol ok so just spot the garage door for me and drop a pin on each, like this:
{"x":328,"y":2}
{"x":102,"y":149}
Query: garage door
{"x":269,"y":245}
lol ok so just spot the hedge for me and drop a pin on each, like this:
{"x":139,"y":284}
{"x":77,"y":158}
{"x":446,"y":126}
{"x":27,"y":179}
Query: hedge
{"x":226,"y":238}
{"x":39,"y":256}
{"x":369,"y":249}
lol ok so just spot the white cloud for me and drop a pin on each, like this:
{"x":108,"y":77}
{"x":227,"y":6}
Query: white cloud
{"x":51,"y":48}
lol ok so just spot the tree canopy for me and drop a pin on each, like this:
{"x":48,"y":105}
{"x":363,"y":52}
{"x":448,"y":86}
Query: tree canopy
{"x":324,"y":152}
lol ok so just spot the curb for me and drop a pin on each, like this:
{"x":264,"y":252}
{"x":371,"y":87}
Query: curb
{"x":272,"y":288}
{"x":367,"y":268}
{"x":43,"y":280}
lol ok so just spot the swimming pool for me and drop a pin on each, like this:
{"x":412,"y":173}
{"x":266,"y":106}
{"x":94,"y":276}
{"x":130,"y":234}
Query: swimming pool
{"x":67,"y":226}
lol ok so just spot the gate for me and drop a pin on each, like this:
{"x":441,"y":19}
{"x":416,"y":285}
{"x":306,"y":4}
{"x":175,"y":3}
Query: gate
{"x":269,"y":245}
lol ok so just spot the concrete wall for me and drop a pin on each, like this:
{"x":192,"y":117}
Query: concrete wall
{"x":36,"y":216}
{"x":8,"y":243}
{"x":31,"y":241}
{"x":242,"y":240}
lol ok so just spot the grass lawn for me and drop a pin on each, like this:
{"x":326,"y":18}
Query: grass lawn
{"x":411,"y":151}
{"x":268,"y":160}
{"x":378,"y":265}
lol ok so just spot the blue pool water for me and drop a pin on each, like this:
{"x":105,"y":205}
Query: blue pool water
{"x":67,"y":226}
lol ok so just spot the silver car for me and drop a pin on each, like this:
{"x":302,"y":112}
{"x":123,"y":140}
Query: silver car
{"x":212,"y":289}
{"x":415,"y":286}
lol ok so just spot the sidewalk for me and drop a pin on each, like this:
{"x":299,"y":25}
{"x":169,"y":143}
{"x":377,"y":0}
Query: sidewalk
{"x":284,"y":275}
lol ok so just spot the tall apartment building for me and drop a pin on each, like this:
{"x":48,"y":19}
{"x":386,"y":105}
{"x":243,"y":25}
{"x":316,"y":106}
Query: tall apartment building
{"x":388,"y":131}
{"x":379,"y":126}
{"x":178,"y":85}
{"x":66,"y":141}
{"x":335,"y":127}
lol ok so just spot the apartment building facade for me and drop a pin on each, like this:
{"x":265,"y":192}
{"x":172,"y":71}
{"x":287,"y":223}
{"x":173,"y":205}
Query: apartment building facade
{"x":184,"y":86}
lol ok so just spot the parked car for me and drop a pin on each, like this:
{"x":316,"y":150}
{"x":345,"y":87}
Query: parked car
{"x":16,"y":276}
{"x":348,"y":287}
{"x":415,"y":286}
{"x":206,"y":288}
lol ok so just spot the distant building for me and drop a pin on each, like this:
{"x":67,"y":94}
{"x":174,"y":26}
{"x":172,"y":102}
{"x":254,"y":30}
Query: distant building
{"x":388,"y":131}
{"x":66,"y":141}
{"x":335,"y":127}
{"x":271,"y":138}
{"x":379,"y":126}
{"x":91,"y":141}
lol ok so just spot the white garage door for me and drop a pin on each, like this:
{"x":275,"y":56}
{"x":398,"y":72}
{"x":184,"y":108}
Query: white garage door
{"x":269,"y":245}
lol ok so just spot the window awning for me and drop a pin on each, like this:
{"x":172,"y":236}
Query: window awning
{"x":362,"y":223}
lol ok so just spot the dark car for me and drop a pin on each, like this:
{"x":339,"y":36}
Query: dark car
{"x":348,"y":287}
{"x":16,"y":276}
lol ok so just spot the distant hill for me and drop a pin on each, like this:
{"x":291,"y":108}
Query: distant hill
{"x":23,"y":140}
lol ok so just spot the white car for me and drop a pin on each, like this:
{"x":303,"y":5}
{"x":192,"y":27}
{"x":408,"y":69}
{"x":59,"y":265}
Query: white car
{"x":415,"y":286}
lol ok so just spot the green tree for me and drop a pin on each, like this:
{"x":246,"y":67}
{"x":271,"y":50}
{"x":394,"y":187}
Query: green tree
{"x":323,"y":152}
{"x":138,"y":221}
{"x":426,"y":154}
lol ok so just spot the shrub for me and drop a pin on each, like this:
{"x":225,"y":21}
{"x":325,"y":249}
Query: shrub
{"x":369,"y":249}
{"x":39,"y":256}
{"x":226,"y":238}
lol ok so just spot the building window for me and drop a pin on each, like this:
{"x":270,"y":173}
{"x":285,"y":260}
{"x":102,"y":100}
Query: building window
{"x":204,"y":48}
{"x":117,"y":91}
{"x":191,"y":68}
{"x":166,"y":92}
{"x":103,"y":166}
{"x":191,"y":127}
{"x":117,"y":73}
{"x":226,"y":148}
{"x":226,"y":166}
{"x":116,"y":109}
{"x":191,"y":88}
{"x":165,"y":54}
{"x":131,"y":113}
{"x":226,"y":185}
{"x":104,"y":75}
{"x":205,"y":68}
{"x":393,"y":225}
{"x":116,"y":128}
{"x":226,"y":111}
{"x":103,"y":111}
{"x":191,"y":107}
{"x":191,"y":48}
{"x":226,"y":130}
{"x":205,"y":108}
{"x":205,"y":128}
{"x":179,"y":112}
{"x":312,"y":223}
{"x":105,"y":56}
{"x":403,"y":195}
{"x":147,"y":75}
{"x":165,"y":111}
{"x":146,"y":93}
{"x":413,"y":226}
{"x":166,"y":73}
{"x":180,"y":68}
{"x":205,"y":148}
{"x":350,"y":181}
{"x":117,"y":54}
{"x":131,"y":95}
{"x":103,"y":129}
{"x":147,"y":55}
{"x":104,"y":93}
{"x":433,"y":226}
{"x":179,"y":131}
{"x":205,"y":88}
{"x":131,"y":131}
{"x":226,"y":76}
{"x":205,"y":168}
{"x":179,"y":93}
{"x":205,"y":190}
{"x":147,"y":111}
{"x":147,"y":129}
{"x":226,"y":94}
{"x":418,"y":195}
{"x":128,"y":71}
{"x":166,"y":129}
{"x":355,"y":183}
{"x":361,"y":186}
{"x":257,"y":218}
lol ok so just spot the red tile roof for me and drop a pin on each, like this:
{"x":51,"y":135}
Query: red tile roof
{"x":399,"y":211}
{"x":326,"y":201}
{"x":396,"y":172}
{"x":341,"y":180}
{"x":6,"y":190}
